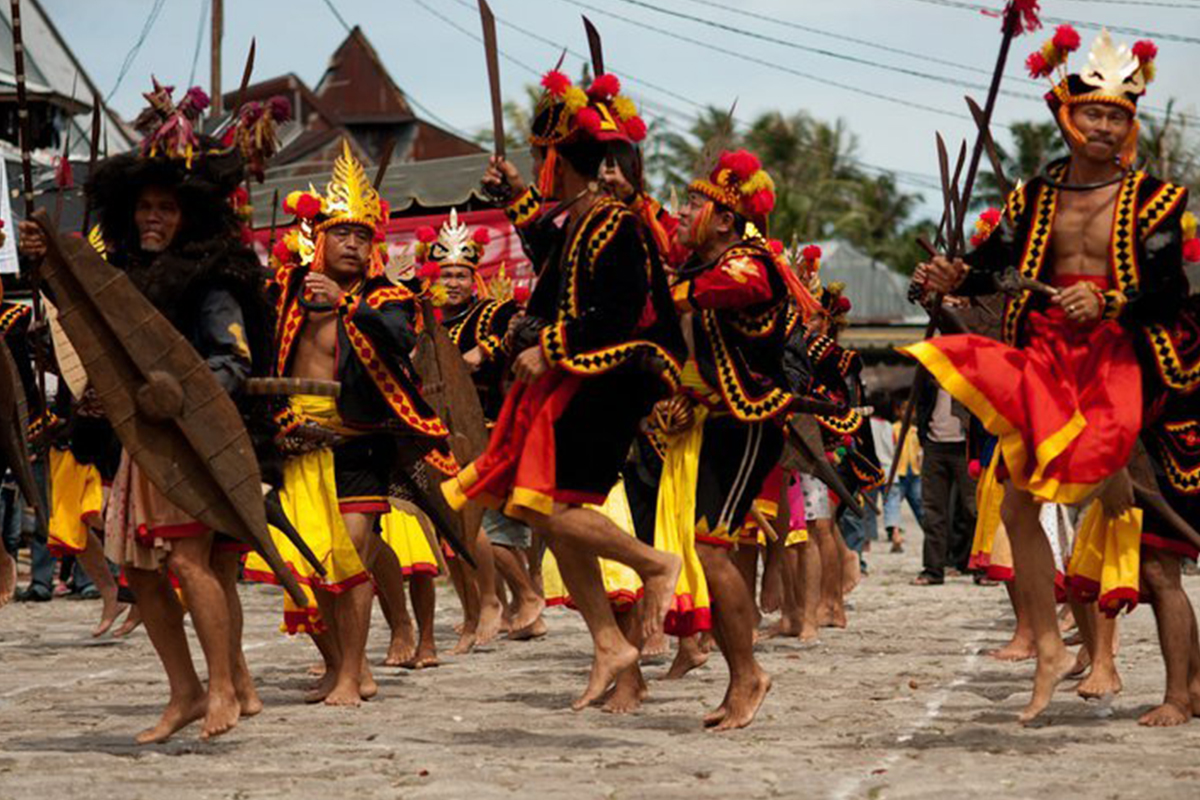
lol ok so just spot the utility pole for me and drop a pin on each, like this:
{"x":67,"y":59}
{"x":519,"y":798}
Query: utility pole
{"x":218,"y":31}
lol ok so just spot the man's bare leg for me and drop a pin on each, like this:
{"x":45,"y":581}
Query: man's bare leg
{"x":733,"y":621}
{"x":164,"y":624}
{"x":791,"y":615}
{"x":327,"y":645}
{"x":586,"y":531}
{"x":689,"y":655}
{"x":1033,"y":564}
{"x":490,"y":608}
{"x":1176,"y":636}
{"x":1020,"y":647}
{"x":190,"y":561}
{"x":132,"y":621}
{"x":424,"y":600}
{"x":851,"y":566}
{"x":831,"y":610}
{"x":8,"y":577}
{"x":1085,"y":631}
{"x":225,"y":564}
{"x":389,"y":587}
{"x":745,"y":558}
{"x":630,"y":688}
{"x":1104,"y":678}
{"x":614,"y":654}
{"x":352,"y":609}
{"x":528,"y":604}
{"x":810,"y":590}
{"x":93,"y":563}
{"x":771,"y":595}
{"x":468,"y":597}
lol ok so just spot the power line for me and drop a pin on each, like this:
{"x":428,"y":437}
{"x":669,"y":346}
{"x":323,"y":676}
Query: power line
{"x":1171,"y":37}
{"x":337,"y":14}
{"x":922,"y":181}
{"x":774,"y":66}
{"x":199,"y":39}
{"x":820,"y":51}
{"x":155,"y":10}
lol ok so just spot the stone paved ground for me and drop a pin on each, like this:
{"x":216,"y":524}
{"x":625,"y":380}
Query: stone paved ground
{"x":900,"y":705}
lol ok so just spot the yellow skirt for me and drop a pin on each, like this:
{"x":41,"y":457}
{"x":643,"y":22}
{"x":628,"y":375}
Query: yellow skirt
{"x":621,"y":584}
{"x":76,"y":503}
{"x":1106,"y":560}
{"x":403,"y":533}
{"x":990,"y":550}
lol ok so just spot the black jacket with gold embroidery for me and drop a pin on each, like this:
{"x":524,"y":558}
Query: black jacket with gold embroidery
{"x":374,"y":338}
{"x":740,"y":315}
{"x":14,"y":328}
{"x":484,"y":324}
{"x":1147,"y":282}
{"x":601,"y":293}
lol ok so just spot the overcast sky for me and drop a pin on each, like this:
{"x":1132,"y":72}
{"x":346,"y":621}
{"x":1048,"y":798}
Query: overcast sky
{"x":443,"y":70}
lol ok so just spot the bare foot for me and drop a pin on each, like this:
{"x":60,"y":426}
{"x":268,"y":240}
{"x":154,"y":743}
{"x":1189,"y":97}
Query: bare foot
{"x":1016,"y":650}
{"x":221,"y":715}
{"x":1104,"y":681}
{"x":606,"y":667}
{"x":131,"y":623}
{"x":346,"y":692}
{"x":851,"y":575}
{"x":659,"y":590}
{"x":809,"y":634}
{"x":247,"y":695}
{"x":322,"y":687}
{"x":1194,"y":695}
{"x":535,"y":631}
{"x":831,"y":617}
{"x":1168,"y":715}
{"x":317,"y":669}
{"x":743,"y":702}
{"x":786,"y":627}
{"x":657,"y":645}
{"x":176,"y":716}
{"x":1083,"y":660}
{"x":367,"y":687}
{"x":489,"y":622}
{"x":466,"y":642}
{"x":690,"y":655}
{"x":424,"y":658}
{"x":526,"y":615}
{"x":403,"y":645}
{"x":8,"y":577}
{"x":769,"y":601}
{"x":108,"y":614}
{"x":1045,"y":680}
{"x":627,"y":694}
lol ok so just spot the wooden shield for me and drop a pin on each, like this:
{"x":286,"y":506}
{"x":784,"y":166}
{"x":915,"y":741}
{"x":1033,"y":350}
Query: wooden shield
{"x":170,"y":413}
{"x":447,"y":386}
{"x":14,"y":424}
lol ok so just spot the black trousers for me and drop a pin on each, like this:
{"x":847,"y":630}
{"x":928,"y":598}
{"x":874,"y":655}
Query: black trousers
{"x":948,"y":500}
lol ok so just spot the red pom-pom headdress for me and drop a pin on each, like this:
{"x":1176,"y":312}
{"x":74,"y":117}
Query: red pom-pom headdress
{"x":739,"y":183}
{"x":452,"y":245}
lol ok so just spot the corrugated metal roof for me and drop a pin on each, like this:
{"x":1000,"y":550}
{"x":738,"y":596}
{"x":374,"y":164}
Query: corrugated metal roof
{"x":878,"y":294}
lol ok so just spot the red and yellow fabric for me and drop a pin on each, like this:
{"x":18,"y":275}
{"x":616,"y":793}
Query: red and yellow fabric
{"x":991,"y":551}
{"x":621,"y":584}
{"x":516,"y":473}
{"x":1106,"y":559}
{"x":403,"y":533}
{"x":675,"y":529}
{"x":1067,"y":408}
{"x":737,"y":282}
{"x":310,"y":500}
{"x":76,"y":503}
{"x":140,"y":523}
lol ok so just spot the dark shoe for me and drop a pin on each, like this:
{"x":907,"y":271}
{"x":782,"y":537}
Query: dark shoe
{"x":927,"y":580}
{"x":90,"y":593}
{"x":34,"y":593}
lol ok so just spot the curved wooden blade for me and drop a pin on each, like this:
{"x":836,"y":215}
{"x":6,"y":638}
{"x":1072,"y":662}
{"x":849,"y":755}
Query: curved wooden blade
{"x":385,"y":160}
{"x":821,"y":468}
{"x":989,"y":147}
{"x":69,"y":366}
{"x":595,"y":46}
{"x":247,"y":71}
{"x":199,"y":455}
{"x":14,"y":423}
{"x":492,"y":53}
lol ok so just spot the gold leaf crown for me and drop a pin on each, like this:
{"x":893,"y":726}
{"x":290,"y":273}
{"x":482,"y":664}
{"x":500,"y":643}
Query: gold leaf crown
{"x":349,"y":197}
{"x":454,"y":246}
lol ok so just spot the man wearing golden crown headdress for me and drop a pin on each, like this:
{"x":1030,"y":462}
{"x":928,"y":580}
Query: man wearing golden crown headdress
{"x":477,"y":315}
{"x":341,"y":319}
{"x":1064,"y":390}
{"x":590,"y":360}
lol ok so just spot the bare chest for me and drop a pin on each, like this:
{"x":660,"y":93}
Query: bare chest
{"x":316,"y":347}
{"x":1082,"y":232}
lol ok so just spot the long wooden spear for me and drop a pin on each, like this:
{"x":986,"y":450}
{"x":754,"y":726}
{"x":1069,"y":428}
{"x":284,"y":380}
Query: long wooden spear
{"x":1012,"y":26}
